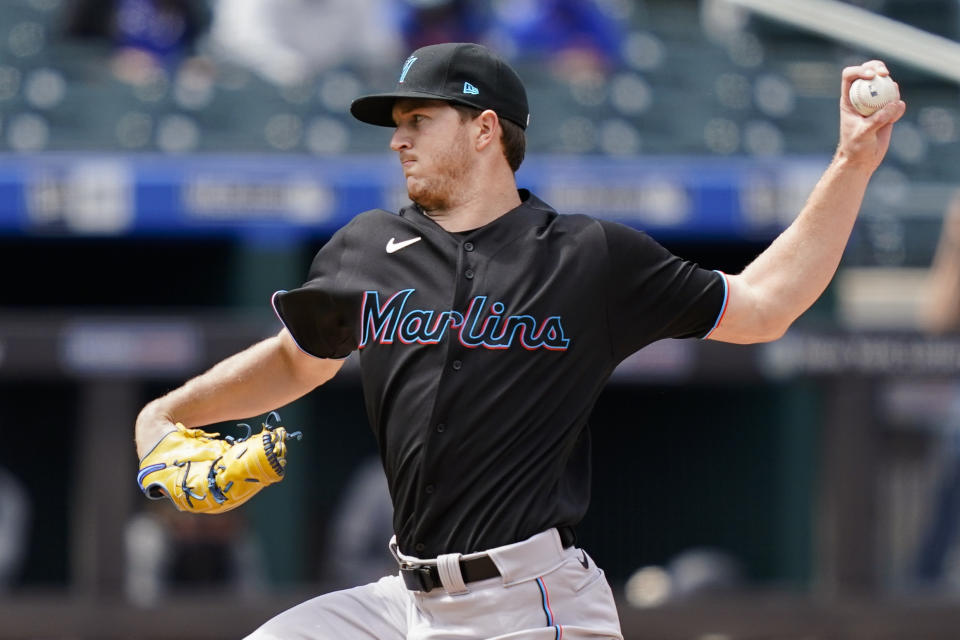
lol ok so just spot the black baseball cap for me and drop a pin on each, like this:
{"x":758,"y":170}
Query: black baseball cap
{"x":458,"y":72}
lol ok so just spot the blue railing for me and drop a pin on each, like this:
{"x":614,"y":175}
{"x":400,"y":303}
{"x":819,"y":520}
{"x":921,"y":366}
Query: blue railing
{"x":287,"y":197}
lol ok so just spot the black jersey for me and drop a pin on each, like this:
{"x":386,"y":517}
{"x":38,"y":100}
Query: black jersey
{"x":482,"y":354}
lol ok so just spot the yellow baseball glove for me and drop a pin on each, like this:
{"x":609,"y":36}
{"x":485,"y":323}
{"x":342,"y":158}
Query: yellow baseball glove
{"x":203,"y":473}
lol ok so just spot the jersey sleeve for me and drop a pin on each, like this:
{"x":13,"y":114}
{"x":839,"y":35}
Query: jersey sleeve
{"x":653,"y":294}
{"x":321,"y":315}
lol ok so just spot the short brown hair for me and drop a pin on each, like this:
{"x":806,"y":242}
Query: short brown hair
{"x":512,"y":137}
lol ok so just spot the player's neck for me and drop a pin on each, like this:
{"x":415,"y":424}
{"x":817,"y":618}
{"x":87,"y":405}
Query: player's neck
{"x":478,"y":206}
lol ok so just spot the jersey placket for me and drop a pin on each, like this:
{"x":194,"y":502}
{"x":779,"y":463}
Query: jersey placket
{"x":443,"y":417}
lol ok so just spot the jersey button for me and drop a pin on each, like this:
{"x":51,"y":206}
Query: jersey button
{"x":419,"y":547}
{"x":468,"y":246}
{"x":428,"y":488}
{"x":441,"y":428}
{"x":468,"y":274}
{"x":457,"y":365}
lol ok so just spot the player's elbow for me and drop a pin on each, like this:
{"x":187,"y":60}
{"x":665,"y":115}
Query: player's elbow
{"x":771,"y":323}
{"x":774,"y":332}
{"x":756,"y":333}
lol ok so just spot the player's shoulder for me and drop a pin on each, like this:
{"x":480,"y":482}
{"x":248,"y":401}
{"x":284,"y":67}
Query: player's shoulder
{"x":604,"y":235}
{"x":372,"y":218}
{"x":560,"y":222}
{"x":614,"y":229}
{"x":367,"y":223}
{"x":582,"y":225}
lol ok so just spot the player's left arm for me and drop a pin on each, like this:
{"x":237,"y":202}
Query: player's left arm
{"x":783,"y":281}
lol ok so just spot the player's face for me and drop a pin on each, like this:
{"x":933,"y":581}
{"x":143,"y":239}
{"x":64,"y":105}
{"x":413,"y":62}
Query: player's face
{"x":434,"y":151}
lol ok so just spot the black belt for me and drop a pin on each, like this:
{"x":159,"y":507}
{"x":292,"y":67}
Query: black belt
{"x":427,"y":577}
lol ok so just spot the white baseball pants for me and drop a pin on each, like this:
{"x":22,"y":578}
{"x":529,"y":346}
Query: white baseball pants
{"x":545,"y":592}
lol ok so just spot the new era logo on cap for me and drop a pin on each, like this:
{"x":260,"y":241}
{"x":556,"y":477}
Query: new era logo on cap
{"x":470,"y":89}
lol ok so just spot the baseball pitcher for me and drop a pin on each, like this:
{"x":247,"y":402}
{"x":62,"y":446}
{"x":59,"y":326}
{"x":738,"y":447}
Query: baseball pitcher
{"x":486,"y":325}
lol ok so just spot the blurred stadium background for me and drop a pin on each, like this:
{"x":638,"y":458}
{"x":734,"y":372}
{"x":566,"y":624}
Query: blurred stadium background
{"x":166,"y":165}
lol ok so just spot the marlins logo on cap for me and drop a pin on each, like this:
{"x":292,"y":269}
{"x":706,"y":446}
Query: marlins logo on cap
{"x":406,"y":67}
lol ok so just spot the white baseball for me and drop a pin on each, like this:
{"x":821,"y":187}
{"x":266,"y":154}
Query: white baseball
{"x":867,"y":96}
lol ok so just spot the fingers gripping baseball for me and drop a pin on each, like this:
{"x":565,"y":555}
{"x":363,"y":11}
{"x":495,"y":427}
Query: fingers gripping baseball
{"x":867,"y":112}
{"x":202,"y":473}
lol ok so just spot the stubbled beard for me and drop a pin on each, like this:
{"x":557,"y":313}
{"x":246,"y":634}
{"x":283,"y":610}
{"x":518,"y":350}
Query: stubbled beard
{"x":440,"y":190}
{"x":432,"y":193}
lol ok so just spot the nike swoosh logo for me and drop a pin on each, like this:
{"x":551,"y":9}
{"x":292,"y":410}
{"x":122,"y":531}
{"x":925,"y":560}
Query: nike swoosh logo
{"x":583,"y":559}
{"x":393,"y":246}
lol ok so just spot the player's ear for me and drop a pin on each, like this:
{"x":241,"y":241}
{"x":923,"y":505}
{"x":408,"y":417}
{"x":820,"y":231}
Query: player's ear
{"x":488,"y":129}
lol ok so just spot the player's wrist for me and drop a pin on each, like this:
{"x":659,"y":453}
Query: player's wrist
{"x":849,"y":160}
{"x":151,"y":426}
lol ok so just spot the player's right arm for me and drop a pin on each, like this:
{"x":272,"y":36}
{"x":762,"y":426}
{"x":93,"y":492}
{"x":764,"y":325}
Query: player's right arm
{"x":261,"y":378}
{"x":789,"y":276}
